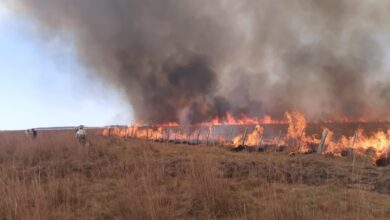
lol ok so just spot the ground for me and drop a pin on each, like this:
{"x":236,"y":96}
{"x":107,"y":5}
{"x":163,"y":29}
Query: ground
{"x":53,"y":177}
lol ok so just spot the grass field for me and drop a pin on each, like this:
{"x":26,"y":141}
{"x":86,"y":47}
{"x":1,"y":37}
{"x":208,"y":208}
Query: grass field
{"x":53,"y":177}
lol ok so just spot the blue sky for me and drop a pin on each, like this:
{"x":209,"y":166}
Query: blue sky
{"x":43,"y":84}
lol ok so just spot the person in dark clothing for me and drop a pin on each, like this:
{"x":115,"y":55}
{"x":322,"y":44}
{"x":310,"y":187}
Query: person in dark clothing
{"x":34,"y":133}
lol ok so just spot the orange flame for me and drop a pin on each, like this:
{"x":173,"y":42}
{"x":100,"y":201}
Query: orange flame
{"x":251,"y":139}
{"x":377,"y":143}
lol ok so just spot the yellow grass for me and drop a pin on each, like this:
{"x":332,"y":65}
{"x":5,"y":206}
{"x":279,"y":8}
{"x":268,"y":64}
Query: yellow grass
{"x":53,"y":177}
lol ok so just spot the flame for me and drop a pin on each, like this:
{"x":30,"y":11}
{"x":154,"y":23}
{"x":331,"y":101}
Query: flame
{"x":296,"y":133}
{"x":296,"y":125}
{"x":376,"y":144}
{"x":229,"y":119}
{"x":169,"y":124}
{"x":251,"y":139}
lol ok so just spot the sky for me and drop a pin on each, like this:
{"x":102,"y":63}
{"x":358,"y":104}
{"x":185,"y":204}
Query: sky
{"x":42,"y":84}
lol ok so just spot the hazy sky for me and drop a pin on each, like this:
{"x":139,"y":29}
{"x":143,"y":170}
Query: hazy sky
{"x":42,"y":84}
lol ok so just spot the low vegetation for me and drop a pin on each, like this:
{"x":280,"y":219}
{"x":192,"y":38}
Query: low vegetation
{"x":53,"y":177}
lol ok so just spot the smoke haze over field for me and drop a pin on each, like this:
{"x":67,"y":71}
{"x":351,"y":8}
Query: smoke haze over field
{"x":189,"y":61}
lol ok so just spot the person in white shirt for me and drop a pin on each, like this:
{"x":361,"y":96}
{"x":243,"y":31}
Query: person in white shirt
{"x":81,"y":134}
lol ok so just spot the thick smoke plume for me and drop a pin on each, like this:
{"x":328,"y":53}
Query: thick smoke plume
{"x":193,"y":60}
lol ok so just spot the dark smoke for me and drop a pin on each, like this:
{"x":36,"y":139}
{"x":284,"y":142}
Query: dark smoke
{"x":189,"y":61}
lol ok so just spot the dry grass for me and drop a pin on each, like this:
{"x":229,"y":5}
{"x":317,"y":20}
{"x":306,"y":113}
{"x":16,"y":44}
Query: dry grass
{"x":53,"y":177}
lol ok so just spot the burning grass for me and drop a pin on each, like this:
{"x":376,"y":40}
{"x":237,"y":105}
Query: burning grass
{"x":250,"y":133}
{"x":53,"y":177}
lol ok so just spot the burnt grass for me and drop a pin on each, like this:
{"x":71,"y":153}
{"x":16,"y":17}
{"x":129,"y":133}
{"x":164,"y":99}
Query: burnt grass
{"x":55,"y":177}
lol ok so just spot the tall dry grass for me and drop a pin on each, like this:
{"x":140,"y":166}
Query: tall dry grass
{"x":53,"y":177}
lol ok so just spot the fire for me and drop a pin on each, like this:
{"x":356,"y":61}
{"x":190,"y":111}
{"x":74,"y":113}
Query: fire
{"x":169,"y":124}
{"x":268,"y":120}
{"x":229,"y":119}
{"x":296,"y":125}
{"x":296,"y":133}
{"x":250,"y":139}
{"x":378,"y":143}
{"x":229,"y":131}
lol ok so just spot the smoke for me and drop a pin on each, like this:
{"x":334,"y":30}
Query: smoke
{"x":193,"y":60}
